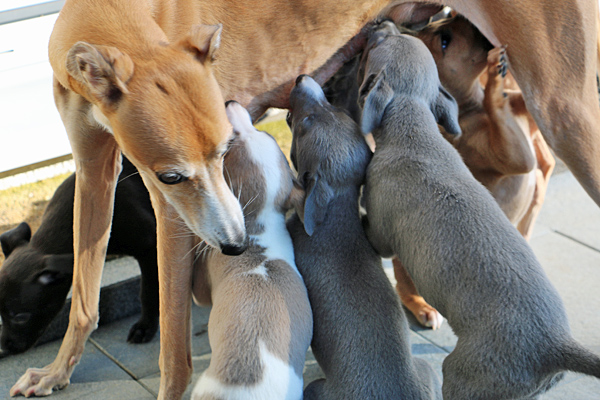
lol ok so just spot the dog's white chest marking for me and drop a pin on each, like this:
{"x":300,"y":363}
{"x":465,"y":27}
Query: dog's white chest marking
{"x":280,"y":381}
{"x":275,"y":238}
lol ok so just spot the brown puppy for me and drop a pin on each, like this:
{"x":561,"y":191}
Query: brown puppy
{"x":500,"y":142}
{"x":138,"y":76}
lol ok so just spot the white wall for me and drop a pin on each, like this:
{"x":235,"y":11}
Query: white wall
{"x":30,"y":126}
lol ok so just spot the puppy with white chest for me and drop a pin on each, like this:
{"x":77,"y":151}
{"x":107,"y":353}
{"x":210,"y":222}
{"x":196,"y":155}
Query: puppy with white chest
{"x":464,"y":256}
{"x":360,"y":331}
{"x":260,"y":324}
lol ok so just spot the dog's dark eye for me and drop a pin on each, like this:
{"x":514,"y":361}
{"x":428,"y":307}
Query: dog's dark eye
{"x":21,"y":318}
{"x":288,"y":119}
{"x":445,"y":39}
{"x":171,"y":178}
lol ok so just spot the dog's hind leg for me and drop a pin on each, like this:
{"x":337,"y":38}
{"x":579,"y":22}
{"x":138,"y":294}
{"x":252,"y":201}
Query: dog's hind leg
{"x":546,"y":163}
{"x":145,"y":328}
{"x":416,"y":304}
{"x":98,"y":164}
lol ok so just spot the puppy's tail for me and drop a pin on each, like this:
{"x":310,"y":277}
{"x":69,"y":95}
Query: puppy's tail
{"x":576,"y":358}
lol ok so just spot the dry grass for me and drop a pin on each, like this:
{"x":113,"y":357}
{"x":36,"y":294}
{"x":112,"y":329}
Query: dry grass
{"x":28,"y":202}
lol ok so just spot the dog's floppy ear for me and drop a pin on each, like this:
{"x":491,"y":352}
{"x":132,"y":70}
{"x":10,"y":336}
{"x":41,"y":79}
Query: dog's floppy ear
{"x":374,"y":96}
{"x":58,"y":268}
{"x":203,"y":42}
{"x":103,"y":70}
{"x":318,"y":196}
{"x":445,"y":111}
{"x":14,"y":238}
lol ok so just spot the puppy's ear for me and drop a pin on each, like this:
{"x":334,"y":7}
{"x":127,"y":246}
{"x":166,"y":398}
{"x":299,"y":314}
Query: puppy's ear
{"x":445,"y":111}
{"x":203,"y":42}
{"x":318,"y":196}
{"x":14,"y":238}
{"x":374,"y":96}
{"x":103,"y":70}
{"x":58,"y":269}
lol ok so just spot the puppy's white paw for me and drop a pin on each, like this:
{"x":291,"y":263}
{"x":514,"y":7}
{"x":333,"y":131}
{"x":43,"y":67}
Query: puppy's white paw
{"x":431,"y":319}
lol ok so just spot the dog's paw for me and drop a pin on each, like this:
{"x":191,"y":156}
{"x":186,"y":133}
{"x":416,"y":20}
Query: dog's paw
{"x":430,"y":318}
{"x":142,"y":331}
{"x":40,"y":382}
{"x":497,"y":62}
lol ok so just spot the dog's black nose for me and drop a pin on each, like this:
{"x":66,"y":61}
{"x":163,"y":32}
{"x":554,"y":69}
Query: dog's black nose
{"x":299,"y":78}
{"x":233,"y":250}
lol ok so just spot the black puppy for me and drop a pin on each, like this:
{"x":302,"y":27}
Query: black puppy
{"x":37,"y":273}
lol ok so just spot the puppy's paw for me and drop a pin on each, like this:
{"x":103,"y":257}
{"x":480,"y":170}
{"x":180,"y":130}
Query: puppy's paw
{"x":425,"y":314}
{"x":142,"y":331}
{"x":430,"y":318}
{"x":497,"y":62}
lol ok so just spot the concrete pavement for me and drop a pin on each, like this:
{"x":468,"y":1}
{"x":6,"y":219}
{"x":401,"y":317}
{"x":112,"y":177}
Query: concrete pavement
{"x":566,"y":240}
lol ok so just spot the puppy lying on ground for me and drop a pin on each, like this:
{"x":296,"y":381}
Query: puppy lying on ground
{"x":261,"y":322}
{"x":37,"y":273}
{"x":464,"y":256}
{"x":360,"y":331}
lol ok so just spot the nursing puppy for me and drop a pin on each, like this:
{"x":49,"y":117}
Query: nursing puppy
{"x":501,"y":144}
{"x":37,"y":274}
{"x":260,"y":323}
{"x":360,"y":331}
{"x":464,"y":256}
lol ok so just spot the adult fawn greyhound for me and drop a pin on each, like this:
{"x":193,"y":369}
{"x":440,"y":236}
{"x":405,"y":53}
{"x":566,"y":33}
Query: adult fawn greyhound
{"x":144,"y":77}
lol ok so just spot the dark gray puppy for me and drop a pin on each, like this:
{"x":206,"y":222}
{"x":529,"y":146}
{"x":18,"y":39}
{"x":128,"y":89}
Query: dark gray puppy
{"x":360,"y":330}
{"x":463,"y":254}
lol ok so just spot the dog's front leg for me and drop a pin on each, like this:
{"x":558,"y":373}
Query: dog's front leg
{"x":175,"y":258}
{"x":98,"y":163}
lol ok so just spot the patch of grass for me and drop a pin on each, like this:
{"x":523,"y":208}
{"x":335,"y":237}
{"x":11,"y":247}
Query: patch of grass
{"x":26,"y":203}
{"x":281,"y":132}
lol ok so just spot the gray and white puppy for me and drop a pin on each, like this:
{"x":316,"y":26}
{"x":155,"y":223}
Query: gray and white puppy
{"x":360,"y":336}
{"x":463,"y":254}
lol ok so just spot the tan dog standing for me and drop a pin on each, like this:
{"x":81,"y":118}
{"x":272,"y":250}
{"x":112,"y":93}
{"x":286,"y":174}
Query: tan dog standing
{"x":260,"y":324}
{"x":138,"y":76}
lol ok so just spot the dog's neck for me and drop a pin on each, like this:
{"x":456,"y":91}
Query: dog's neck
{"x":343,"y":214}
{"x":269,"y":232}
{"x":406,"y":121}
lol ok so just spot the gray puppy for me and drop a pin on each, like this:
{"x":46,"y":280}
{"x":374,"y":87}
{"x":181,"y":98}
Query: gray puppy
{"x":360,"y":330}
{"x":463,"y":254}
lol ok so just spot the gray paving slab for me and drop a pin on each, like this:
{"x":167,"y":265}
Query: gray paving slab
{"x":141,"y":360}
{"x":579,"y":387}
{"x":569,"y":210}
{"x":96,"y":377}
{"x":574,"y":270}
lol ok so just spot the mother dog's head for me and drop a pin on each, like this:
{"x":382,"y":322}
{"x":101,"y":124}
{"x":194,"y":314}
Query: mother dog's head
{"x":153,"y":99}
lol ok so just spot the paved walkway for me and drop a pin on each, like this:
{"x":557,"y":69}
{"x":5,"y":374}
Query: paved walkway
{"x":566,"y":240}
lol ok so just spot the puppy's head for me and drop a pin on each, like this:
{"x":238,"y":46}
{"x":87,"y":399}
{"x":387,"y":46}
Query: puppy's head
{"x":328,"y":149}
{"x":165,"y":110}
{"x":459,"y":50}
{"x":396,"y":65}
{"x":257,"y":171}
{"x":33,"y":289}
